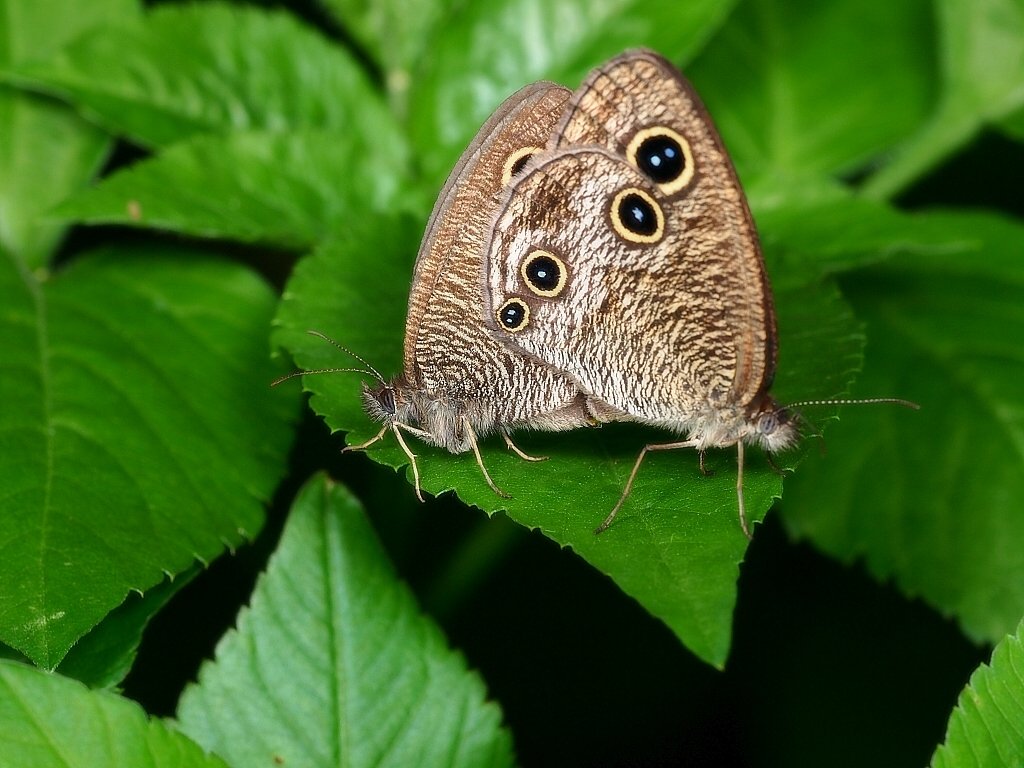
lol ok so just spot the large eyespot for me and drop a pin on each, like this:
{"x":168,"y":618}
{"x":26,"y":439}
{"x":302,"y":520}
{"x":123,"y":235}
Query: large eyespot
{"x":637,"y":217}
{"x":515,"y":163}
{"x":663,"y":156}
{"x":545,"y":274}
{"x":513,"y":315}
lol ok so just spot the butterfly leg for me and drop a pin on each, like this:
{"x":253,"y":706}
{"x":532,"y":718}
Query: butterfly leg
{"x":632,"y":476}
{"x":479,"y":461}
{"x":395,"y":427}
{"x":739,"y":490}
{"x":518,"y":451}
{"x":401,"y":441}
{"x":368,"y":443}
{"x":703,"y":468}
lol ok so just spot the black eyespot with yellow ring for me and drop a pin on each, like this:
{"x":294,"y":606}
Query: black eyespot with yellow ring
{"x":663,"y":156}
{"x":513,"y":315}
{"x":544,"y":273}
{"x":636,"y":216}
{"x":515,"y":163}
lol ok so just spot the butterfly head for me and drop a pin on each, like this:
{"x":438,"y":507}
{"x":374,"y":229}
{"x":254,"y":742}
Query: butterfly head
{"x":774,"y":428}
{"x":395,"y":402}
{"x":381,"y":402}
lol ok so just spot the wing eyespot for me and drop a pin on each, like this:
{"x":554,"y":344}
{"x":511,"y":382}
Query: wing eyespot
{"x":544,"y":273}
{"x":515,"y":163}
{"x":636,"y":216}
{"x":663,"y":156}
{"x":513,"y":315}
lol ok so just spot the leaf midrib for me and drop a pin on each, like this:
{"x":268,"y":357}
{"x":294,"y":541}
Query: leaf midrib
{"x":35,"y":290}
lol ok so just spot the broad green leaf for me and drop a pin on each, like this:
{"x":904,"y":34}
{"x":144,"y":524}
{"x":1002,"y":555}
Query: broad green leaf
{"x":137,"y":429}
{"x":803,"y":89}
{"x":932,"y":498}
{"x":333,"y":663}
{"x":987,"y":727}
{"x":49,"y":721}
{"x":290,"y":189}
{"x":981,"y":50}
{"x":492,"y":49}
{"x":211,"y":67}
{"x":46,"y":151}
{"x":676,"y":544}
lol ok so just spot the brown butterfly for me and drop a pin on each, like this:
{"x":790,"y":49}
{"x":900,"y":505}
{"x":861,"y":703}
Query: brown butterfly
{"x":590,"y":259}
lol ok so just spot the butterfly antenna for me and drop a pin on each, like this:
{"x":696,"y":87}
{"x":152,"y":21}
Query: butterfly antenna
{"x":293,"y":374}
{"x":865,"y":401}
{"x":370,"y":369}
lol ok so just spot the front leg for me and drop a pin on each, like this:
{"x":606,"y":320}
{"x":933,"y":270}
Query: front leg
{"x":517,"y":451}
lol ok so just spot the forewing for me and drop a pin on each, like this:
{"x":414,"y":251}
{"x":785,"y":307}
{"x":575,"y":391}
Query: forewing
{"x":449,"y":353}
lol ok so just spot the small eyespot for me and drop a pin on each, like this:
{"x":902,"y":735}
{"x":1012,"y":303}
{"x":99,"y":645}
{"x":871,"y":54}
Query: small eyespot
{"x":513,"y":315}
{"x":663,"y":156}
{"x":515,"y":163}
{"x":545,"y":274}
{"x":637,"y":217}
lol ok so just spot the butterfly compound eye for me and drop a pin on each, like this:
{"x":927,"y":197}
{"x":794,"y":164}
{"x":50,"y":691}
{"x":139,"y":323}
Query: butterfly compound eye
{"x":663,"y":156}
{"x":637,"y":217}
{"x":513,"y":315}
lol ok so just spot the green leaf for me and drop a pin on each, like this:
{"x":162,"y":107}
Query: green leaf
{"x":823,"y":229}
{"x":333,"y":664}
{"x":48,"y":721}
{"x":278,"y":188}
{"x":931,"y":499}
{"x":987,"y":727}
{"x":787,"y":104}
{"x":211,"y":67}
{"x":982,"y":61}
{"x":34,"y":29}
{"x":138,"y":432}
{"x":676,"y":544}
{"x":46,"y":151}
{"x":103,"y":657}
{"x":491,"y":49}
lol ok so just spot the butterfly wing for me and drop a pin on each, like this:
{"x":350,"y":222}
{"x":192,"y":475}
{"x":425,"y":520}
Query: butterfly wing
{"x":458,"y":223}
{"x":664,"y":311}
{"x":448,"y":350}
